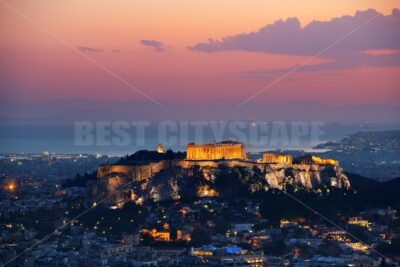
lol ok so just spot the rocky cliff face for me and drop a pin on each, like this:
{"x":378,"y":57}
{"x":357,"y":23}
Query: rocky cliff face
{"x":307,"y":176}
{"x":226,"y":180}
{"x":108,"y":190}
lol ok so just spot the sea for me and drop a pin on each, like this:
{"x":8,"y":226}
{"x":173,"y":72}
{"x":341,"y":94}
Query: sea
{"x":65,"y":138}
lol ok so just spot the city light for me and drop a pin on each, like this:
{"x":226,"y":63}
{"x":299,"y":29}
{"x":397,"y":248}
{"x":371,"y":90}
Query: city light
{"x":11,"y":186}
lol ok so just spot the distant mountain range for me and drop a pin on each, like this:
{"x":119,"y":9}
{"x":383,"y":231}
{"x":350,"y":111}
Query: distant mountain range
{"x":84,"y":109}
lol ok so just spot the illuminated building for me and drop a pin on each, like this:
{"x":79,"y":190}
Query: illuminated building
{"x":183,"y":235}
{"x":277,"y":158}
{"x":159,"y":235}
{"x":160,"y":148}
{"x":359,"y":221}
{"x":206,"y":191}
{"x":10,"y":186}
{"x":230,"y":256}
{"x":358,"y":246}
{"x":287,"y":223}
{"x":215,"y":151}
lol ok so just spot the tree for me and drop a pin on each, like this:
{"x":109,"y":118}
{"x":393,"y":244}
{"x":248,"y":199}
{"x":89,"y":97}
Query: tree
{"x":200,"y":237}
{"x":277,"y":248}
{"x":391,"y":249}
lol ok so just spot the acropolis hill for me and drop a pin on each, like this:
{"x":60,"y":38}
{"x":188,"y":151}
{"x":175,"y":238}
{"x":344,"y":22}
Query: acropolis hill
{"x":160,"y":170}
{"x":227,"y":153}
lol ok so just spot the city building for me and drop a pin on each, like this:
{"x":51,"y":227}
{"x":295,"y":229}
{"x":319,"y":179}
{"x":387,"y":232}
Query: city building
{"x":359,"y":221}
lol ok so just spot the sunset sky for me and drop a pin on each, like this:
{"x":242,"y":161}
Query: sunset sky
{"x":203,"y":51}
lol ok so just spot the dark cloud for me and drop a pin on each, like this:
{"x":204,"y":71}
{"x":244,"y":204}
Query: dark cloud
{"x":86,"y":49}
{"x":288,"y":37}
{"x":338,"y":62}
{"x":155,"y":45}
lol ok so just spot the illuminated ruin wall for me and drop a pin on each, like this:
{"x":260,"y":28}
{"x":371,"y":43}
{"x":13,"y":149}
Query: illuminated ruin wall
{"x":277,"y":158}
{"x":320,"y":161}
{"x":136,"y":172}
{"x":216,"y":151}
{"x":316,"y":160}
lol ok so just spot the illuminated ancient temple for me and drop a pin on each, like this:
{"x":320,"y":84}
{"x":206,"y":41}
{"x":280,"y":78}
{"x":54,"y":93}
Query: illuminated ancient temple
{"x":277,"y":158}
{"x":160,"y":148}
{"x":215,"y":151}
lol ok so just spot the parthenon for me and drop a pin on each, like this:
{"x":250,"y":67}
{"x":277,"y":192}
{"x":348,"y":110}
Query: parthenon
{"x":215,"y":151}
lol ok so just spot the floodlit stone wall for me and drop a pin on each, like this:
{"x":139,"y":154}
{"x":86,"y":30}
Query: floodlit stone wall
{"x":277,"y":158}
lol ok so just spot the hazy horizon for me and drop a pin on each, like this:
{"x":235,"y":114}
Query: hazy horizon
{"x":337,"y":63}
